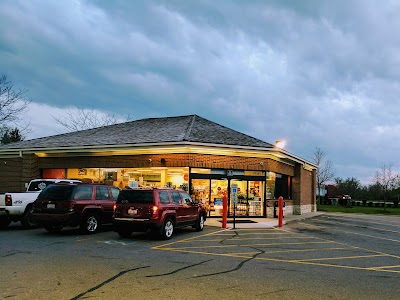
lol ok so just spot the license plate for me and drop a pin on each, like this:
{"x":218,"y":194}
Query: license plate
{"x":132,"y":211}
{"x":51,"y":205}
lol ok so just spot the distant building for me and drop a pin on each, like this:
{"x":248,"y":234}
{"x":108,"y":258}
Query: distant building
{"x":187,"y":152}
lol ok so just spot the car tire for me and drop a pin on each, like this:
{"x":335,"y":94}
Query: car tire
{"x":4,"y":222}
{"x":124,"y":233}
{"x":200,"y":223}
{"x":167,"y":229}
{"x":90,"y":224}
{"x":53,"y":228}
{"x":26,"y":220}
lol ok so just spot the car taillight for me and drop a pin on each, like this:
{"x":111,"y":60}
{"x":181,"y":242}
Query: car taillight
{"x":71,"y":206}
{"x":8,"y":200}
{"x":154,"y":211}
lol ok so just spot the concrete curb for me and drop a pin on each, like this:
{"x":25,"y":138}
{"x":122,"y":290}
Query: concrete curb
{"x":257,"y":223}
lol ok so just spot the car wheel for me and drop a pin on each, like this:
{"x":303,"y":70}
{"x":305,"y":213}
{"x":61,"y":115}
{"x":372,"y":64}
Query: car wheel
{"x":124,"y":233}
{"x":26,"y":220}
{"x":167,"y":229}
{"x":90,"y":223}
{"x":53,"y":228}
{"x":200,"y":223}
{"x":4,"y":222}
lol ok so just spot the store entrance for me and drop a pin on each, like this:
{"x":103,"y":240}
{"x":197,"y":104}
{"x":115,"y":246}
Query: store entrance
{"x":250,"y":195}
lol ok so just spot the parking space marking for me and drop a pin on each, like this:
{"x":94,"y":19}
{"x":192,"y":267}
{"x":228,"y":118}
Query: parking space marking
{"x":369,"y":220}
{"x":385,"y":267}
{"x":377,"y":228}
{"x":363,"y":234}
{"x":361,"y":254}
{"x":341,"y":257}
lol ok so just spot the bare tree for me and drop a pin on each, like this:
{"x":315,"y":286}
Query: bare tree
{"x":12,"y":103}
{"x":387,"y":180}
{"x":325,"y":169}
{"x":78,"y":118}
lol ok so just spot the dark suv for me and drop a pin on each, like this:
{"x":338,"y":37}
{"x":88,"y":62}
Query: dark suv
{"x":84,"y":205}
{"x":160,"y":210}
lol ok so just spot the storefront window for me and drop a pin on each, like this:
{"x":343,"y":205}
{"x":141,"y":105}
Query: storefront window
{"x":201,"y":192}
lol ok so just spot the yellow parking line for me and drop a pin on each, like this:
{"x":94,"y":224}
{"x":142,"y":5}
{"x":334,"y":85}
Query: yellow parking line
{"x":257,"y":233}
{"x":244,"y":253}
{"x":340,"y":257}
{"x":308,"y":250}
{"x":243,"y":245}
{"x":270,"y":238}
{"x":234,"y":239}
{"x":294,"y":243}
{"x":385,"y":267}
{"x":185,"y":240}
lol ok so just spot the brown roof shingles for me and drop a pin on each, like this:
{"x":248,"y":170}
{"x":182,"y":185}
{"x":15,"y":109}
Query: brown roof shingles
{"x":191,"y":128}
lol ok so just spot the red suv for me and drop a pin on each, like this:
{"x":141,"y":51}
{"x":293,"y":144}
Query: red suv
{"x":84,"y":205}
{"x":159,"y":210}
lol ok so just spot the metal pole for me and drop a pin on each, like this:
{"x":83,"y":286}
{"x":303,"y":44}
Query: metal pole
{"x":280,"y":211}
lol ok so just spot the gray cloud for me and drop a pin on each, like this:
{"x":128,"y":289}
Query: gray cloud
{"x":317,"y":73}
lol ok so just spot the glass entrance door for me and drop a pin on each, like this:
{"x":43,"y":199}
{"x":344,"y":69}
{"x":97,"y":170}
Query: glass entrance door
{"x":219,"y":188}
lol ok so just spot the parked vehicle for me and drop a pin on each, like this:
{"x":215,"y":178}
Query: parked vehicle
{"x":15,"y":207}
{"x":159,"y":210}
{"x":85,"y":205}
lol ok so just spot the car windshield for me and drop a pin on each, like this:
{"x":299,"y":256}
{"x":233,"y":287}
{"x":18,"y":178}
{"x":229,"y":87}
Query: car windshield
{"x":56,"y":192}
{"x":135,"y":196}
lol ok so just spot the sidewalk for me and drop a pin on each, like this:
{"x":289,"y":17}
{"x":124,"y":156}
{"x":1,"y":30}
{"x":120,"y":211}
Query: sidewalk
{"x":259,"y":222}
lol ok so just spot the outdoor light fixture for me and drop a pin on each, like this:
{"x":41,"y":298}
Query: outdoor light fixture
{"x":280,"y":144}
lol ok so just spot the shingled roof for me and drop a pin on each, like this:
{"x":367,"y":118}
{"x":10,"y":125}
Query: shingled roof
{"x":191,"y":128}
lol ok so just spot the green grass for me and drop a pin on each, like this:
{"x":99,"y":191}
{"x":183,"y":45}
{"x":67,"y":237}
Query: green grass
{"x":360,"y":210}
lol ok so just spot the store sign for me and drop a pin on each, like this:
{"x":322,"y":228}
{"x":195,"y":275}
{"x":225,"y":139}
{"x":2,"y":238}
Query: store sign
{"x":234,"y":191}
{"x":253,"y":173}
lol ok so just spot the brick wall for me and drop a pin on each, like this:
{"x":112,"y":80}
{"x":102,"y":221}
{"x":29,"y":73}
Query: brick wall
{"x":304,"y":191}
{"x":10,"y":175}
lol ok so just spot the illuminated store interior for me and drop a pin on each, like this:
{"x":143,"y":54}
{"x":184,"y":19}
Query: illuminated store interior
{"x":207,"y":186}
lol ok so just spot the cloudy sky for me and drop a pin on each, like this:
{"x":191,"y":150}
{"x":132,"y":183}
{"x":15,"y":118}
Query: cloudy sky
{"x":316,"y":73}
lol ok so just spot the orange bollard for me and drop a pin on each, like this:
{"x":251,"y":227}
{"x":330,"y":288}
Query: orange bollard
{"x":224,"y":210}
{"x":280,"y":211}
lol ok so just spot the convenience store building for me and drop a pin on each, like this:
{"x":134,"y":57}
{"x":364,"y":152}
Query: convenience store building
{"x":186,"y":152}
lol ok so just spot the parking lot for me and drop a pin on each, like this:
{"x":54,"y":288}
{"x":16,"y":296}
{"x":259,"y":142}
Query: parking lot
{"x":332,"y":256}
{"x":300,"y":243}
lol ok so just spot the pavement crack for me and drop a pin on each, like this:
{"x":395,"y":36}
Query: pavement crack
{"x":236,"y":234}
{"x":15,"y":253}
{"x":107,"y":281}
{"x":181,"y":269}
{"x":238,"y":267}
